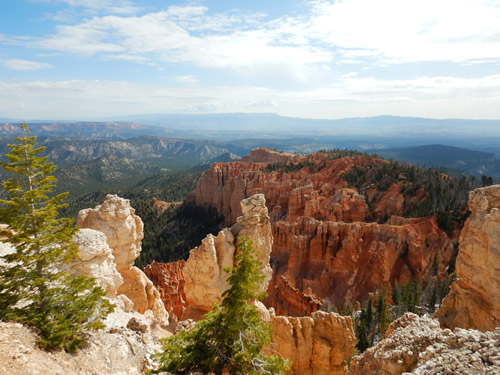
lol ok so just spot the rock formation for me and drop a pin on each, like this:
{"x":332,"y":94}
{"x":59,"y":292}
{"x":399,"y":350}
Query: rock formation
{"x":161,"y":206}
{"x":124,"y":232}
{"x":417,"y":345}
{"x":169,"y":281}
{"x":95,"y":259}
{"x":474,"y":298}
{"x":316,"y":344}
{"x":204,"y":275}
{"x":323,"y":245}
{"x":346,"y":261}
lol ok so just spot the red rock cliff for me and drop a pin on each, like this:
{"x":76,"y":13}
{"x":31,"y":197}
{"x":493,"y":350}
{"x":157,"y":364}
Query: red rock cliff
{"x":323,"y":245}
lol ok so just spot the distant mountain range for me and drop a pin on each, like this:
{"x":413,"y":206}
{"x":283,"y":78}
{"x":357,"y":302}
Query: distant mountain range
{"x":93,"y":155}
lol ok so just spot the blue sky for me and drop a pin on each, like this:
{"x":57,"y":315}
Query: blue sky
{"x":86,"y":59}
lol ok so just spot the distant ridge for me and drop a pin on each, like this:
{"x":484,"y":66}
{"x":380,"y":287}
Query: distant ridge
{"x":475,"y":163}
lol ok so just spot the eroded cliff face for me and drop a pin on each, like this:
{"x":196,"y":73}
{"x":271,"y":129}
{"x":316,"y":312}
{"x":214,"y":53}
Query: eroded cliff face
{"x":474,"y":298}
{"x":169,"y":281}
{"x":124,"y":232}
{"x":346,"y":261}
{"x":203,"y":276}
{"x":316,"y":344}
{"x":324,"y":246}
{"x":417,"y":345}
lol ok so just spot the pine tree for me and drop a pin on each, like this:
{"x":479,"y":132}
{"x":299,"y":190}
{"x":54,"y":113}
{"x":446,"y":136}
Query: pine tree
{"x":35,"y":287}
{"x":231,"y":338}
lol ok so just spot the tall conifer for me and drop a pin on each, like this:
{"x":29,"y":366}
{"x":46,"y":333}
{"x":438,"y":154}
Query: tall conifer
{"x":231,"y":338}
{"x":35,"y":287}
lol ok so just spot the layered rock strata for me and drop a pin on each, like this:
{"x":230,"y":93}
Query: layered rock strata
{"x":323,"y":245}
{"x":417,"y":345}
{"x":474,"y":298}
{"x":346,"y":261}
{"x":124,"y":232}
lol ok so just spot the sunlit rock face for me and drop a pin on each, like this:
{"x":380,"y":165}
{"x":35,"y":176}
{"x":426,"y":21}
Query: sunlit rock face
{"x":474,"y":298}
{"x":417,"y":345}
{"x":328,"y":242}
{"x":316,"y":344}
{"x":124,"y":232}
{"x":204,"y":272}
{"x":95,"y":259}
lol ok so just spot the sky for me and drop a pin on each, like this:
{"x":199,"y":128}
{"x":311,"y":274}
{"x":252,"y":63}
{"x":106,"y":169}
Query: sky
{"x":90,"y":59}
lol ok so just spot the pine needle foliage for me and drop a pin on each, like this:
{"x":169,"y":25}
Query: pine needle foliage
{"x":231,"y":339}
{"x":35,"y":287}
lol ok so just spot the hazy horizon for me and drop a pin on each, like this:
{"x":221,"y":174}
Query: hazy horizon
{"x":321,"y":59}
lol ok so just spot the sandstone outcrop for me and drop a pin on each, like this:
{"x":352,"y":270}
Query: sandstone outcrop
{"x":417,"y":345}
{"x":161,"y":206}
{"x":95,"y":259}
{"x":324,"y":246}
{"x":124,"y":232}
{"x":317,"y":344}
{"x":474,"y":298}
{"x":204,"y":275}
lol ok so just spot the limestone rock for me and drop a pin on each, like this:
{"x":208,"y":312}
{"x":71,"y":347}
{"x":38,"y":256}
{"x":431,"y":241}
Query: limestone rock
{"x":317,"y":344}
{"x":474,"y":298}
{"x":95,"y":259}
{"x":124,"y":232}
{"x":204,"y":275}
{"x":417,"y":345}
{"x":123,"y":229}
{"x":255,"y":225}
{"x":205,"y":278}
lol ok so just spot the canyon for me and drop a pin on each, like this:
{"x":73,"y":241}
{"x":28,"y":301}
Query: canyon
{"x":319,"y":343}
{"x":332,"y":242}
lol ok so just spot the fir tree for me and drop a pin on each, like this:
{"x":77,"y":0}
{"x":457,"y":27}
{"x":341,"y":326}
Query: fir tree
{"x":231,"y":338}
{"x":35,"y":288}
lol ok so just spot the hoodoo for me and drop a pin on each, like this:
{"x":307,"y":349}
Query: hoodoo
{"x":474,"y":298}
{"x":331,"y":240}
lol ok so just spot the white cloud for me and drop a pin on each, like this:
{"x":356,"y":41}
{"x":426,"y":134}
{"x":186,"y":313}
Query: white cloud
{"x":408,"y":30}
{"x":185,"y":79}
{"x":425,"y":97}
{"x":168,"y":36}
{"x":110,"y":6}
{"x":19,"y":64}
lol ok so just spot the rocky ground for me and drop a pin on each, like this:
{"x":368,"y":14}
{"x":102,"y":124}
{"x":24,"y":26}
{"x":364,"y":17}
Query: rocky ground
{"x":117,"y":352}
{"x":417,"y":345}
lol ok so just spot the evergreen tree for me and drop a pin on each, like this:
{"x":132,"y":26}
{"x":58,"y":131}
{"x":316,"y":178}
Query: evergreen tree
{"x":35,"y":288}
{"x":231,"y":338}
